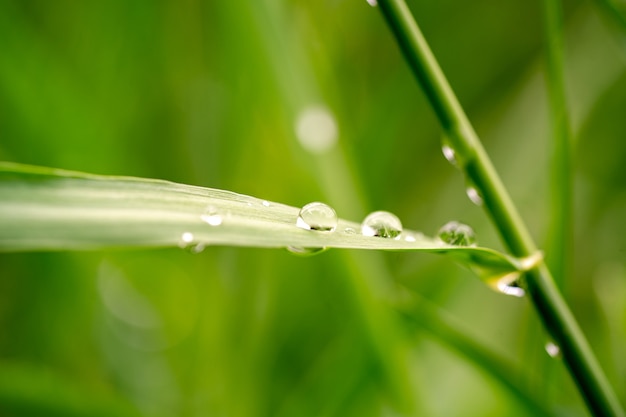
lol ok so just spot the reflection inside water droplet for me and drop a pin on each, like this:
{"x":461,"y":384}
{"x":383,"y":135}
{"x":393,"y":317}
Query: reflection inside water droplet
{"x":266,"y":203}
{"x":317,"y":216}
{"x":457,"y":234}
{"x":211,"y":216}
{"x":381,"y":224}
{"x":305,"y":251}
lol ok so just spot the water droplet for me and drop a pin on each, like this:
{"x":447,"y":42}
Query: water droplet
{"x":197,"y":248}
{"x":185,"y":239}
{"x":474,"y":195}
{"x":409,"y":238}
{"x":553,"y":350}
{"x":211,"y":216}
{"x":381,"y":224}
{"x":349,"y":231}
{"x":316,"y":129}
{"x":458,"y":234}
{"x":187,"y":242}
{"x":266,"y":203}
{"x":372,"y":3}
{"x":305,"y":251}
{"x":317,"y":216}
{"x":449,"y":153}
{"x":512,"y":289}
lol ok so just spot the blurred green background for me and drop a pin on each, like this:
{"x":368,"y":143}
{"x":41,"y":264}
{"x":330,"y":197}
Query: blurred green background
{"x":210,"y":93}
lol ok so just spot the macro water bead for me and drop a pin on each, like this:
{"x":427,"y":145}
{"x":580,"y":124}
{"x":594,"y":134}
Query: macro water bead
{"x":381,"y":224}
{"x":317,"y":216}
{"x":457,"y":234}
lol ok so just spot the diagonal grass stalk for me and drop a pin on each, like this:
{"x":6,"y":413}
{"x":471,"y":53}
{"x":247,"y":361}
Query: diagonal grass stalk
{"x":550,"y":305}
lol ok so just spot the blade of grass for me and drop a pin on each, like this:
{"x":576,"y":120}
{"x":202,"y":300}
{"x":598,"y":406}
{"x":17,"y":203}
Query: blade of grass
{"x":429,"y":317}
{"x":560,"y":233}
{"x":51,"y":209}
{"x":551,"y":306}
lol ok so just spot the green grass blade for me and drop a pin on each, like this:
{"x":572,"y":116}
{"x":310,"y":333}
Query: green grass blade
{"x":51,"y":209}
{"x":560,"y":233}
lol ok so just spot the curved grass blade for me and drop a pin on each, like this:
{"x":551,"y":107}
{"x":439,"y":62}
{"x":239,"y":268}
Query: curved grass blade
{"x":44,"y":209}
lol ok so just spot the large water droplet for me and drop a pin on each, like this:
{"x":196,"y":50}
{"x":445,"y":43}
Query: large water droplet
{"x":457,"y":234}
{"x":305,"y":251}
{"x":212,"y":216}
{"x":317,"y":216}
{"x":553,"y":350}
{"x":381,"y":224}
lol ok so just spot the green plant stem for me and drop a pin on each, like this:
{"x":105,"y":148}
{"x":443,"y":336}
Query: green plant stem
{"x":473,"y":159}
{"x":560,"y":235}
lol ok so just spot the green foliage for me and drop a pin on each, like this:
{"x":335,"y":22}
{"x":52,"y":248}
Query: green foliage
{"x":208,"y":93}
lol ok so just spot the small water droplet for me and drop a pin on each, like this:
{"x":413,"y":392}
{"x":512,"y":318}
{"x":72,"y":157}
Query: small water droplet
{"x":317,"y":216}
{"x":305,"y":251}
{"x":372,"y":3}
{"x":512,"y":289}
{"x":187,"y":242}
{"x":448,"y":153}
{"x":197,"y":248}
{"x":474,"y":195}
{"x":211,"y":216}
{"x":381,"y":224}
{"x":185,"y":239}
{"x":410,"y":238}
{"x":457,"y":234}
{"x":266,"y":203}
{"x":349,"y":231}
{"x":553,"y":350}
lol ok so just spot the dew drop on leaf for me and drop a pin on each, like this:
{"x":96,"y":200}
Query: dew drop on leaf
{"x":186,"y":242}
{"x":381,"y":224}
{"x":457,"y":234}
{"x":212,"y":216}
{"x":185,"y":239}
{"x":372,"y":3}
{"x":317,"y":216}
{"x":305,"y":251}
